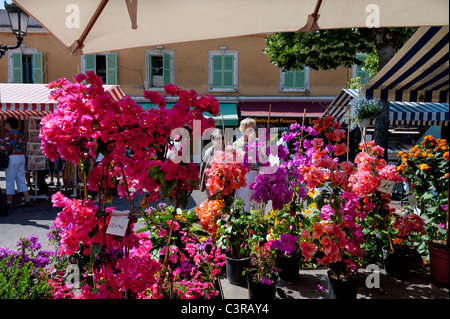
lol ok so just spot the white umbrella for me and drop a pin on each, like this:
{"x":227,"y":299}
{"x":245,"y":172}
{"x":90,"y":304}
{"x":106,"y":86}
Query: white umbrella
{"x":89,"y":26}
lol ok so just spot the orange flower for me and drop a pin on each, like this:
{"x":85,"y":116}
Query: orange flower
{"x":209,"y":212}
{"x":424,"y":167}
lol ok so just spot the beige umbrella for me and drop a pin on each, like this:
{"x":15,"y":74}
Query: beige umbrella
{"x":89,"y":26}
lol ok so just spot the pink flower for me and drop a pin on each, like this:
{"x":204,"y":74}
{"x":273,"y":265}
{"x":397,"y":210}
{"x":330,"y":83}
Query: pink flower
{"x":308,"y":249}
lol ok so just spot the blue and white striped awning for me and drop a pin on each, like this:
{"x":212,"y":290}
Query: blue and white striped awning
{"x":419,"y":71}
{"x":418,"y":113}
{"x":406,"y":113}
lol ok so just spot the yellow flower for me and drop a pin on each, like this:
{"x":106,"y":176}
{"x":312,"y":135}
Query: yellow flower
{"x":312,"y":193}
{"x":424,"y":167}
{"x":314,"y":206}
{"x":307,"y":211}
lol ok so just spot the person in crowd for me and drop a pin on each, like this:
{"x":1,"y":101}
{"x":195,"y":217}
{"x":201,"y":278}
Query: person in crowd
{"x":55,"y":169}
{"x":14,"y":144}
{"x":247,"y":128}
{"x":218,"y":145}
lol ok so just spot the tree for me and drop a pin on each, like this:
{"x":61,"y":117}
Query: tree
{"x":329,"y":49}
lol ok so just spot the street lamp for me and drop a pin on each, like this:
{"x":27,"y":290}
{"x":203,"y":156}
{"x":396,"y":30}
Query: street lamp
{"x":19,"y":25}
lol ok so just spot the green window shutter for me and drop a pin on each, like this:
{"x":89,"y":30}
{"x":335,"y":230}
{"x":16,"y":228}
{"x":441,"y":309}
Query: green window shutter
{"x":228,"y":71}
{"x":166,"y":68}
{"x":217,"y":67}
{"x":295,"y":79}
{"x":90,"y":63}
{"x":17,"y":75}
{"x":38,"y":68}
{"x":149,"y":70}
{"x":289,"y":80}
{"x":300,"y":79}
{"x":223,"y":71}
{"x":111,"y":68}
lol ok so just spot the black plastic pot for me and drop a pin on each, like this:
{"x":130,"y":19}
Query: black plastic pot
{"x":288,"y":267}
{"x":235,"y":267}
{"x":343,"y":289}
{"x":396,"y":263}
{"x":258,"y":290}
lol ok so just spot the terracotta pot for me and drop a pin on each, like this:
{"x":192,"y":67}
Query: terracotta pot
{"x":439,"y":266}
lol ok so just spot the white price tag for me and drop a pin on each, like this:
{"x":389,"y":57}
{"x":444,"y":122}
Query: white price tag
{"x":118,"y":224}
{"x":386,"y":186}
{"x":413,"y":200}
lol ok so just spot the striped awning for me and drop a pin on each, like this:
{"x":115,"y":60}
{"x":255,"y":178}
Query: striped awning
{"x":419,"y":71}
{"x":339,"y":106}
{"x":23,"y":100}
{"x":408,"y":113}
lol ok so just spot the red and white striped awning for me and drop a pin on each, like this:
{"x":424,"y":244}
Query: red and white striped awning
{"x":24,"y":100}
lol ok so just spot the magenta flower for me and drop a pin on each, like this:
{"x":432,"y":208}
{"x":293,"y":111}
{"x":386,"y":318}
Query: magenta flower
{"x":287,"y":243}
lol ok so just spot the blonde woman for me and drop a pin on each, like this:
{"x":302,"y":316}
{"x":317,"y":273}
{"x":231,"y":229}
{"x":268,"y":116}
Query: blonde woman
{"x":247,"y":128}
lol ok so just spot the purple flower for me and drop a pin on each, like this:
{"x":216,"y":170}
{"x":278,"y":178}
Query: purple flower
{"x":444,"y":207}
{"x":287,"y":243}
{"x":266,"y":281}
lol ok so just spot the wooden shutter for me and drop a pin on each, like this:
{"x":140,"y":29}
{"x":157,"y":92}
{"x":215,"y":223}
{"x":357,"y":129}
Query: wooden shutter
{"x":295,"y":79}
{"x":38,"y":68}
{"x":288,"y":80}
{"x":149,"y":70}
{"x":166,"y":68}
{"x":228,"y":71}
{"x":16,"y":61}
{"x":111,"y":68}
{"x":217,"y":71}
{"x":90,"y":63}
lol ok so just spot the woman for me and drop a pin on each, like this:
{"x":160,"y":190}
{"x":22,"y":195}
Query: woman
{"x":247,"y":128}
{"x":210,"y":153}
{"x":14,"y":145}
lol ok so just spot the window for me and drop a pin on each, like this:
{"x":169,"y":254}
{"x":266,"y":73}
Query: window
{"x":104,"y":65}
{"x":26,"y":67}
{"x":295,"y":81}
{"x":359,"y":72}
{"x":160,"y":68}
{"x":223,"y":71}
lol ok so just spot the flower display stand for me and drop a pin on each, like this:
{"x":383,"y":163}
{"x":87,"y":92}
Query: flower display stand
{"x":313,"y":285}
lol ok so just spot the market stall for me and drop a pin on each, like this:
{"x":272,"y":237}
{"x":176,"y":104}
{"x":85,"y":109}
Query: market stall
{"x":29,"y":103}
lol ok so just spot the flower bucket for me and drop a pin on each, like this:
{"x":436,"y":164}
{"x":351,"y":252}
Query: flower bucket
{"x":288,"y":267}
{"x":396,"y":263}
{"x":258,"y":290}
{"x":235,"y":267}
{"x":439,"y":266}
{"x":342,"y":289}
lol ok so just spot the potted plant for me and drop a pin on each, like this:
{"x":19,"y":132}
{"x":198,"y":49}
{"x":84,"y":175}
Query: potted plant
{"x":399,"y":254}
{"x":262,"y":277}
{"x":368,"y":182}
{"x":285,"y":226}
{"x":331,"y":235}
{"x":425,"y":166}
{"x":233,"y":234}
{"x":361,"y":111}
{"x":225,"y":217}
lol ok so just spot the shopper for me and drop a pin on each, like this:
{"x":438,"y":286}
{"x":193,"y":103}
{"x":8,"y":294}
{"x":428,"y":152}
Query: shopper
{"x":210,"y":153}
{"x":14,"y":144}
{"x":247,"y":128}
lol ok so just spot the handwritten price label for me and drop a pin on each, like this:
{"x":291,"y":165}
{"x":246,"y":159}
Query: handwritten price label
{"x":118,"y":224}
{"x":386,"y":186}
